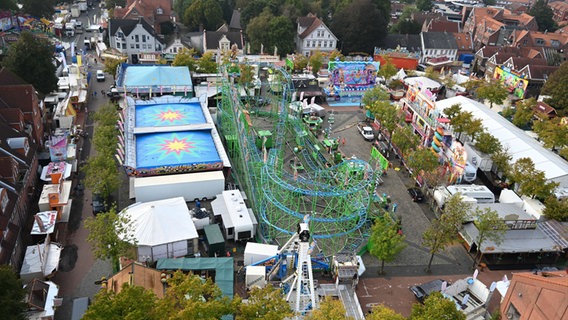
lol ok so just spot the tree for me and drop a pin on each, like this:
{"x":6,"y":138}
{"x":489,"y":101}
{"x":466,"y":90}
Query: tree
{"x":300,"y":62}
{"x":31,"y":59}
{"x":353,"y":28}
{"x":493,"y":91}
{"x":524,"y":113}
{"x":405,"y":139}
{"x":269,"y":31}
{"x":132,"y":302}
{"x":431,"y":73}
{"x":543,"y":15}
{"x":186,"y":57}
{"x":502,"y":161}
{"x":424,"y":5}
{"x":552,"y":132}
{"x":207,"y":63}
{"x":406,"y":26}
{"x":190,"y":297}
{"x":385,"y":241}
{"x":487,"y":143}
{"x":473,"y":128}
{"x":556,"y":209}
{"x":531,"y":182}
{"x":382,"y":312}
{"x":436,"y":306}
{"x":461,"y":121}
{"x":39,"y":8}
{"x":442,"y":231}
{"x":555,"y":87}
{"x":489,"y":227}
{"x":8,"y":5}
{"x":453,"y":111}
{"x":424,"y":163}
{"x":336,"y":54}
{"x":111,"y":65}
{"x":374,"y":95}
{"x":206,"y":13}
{"x":110,"y":235}
{"x":329,"y":309}
{"x":387,"y":70}
{"x":316,"y":62}
{"x":12,"y":295}
{"x":111,"y":4}
{"x":264,"y":303}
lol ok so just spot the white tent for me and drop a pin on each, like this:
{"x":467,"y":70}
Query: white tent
{"x":162,"y":229}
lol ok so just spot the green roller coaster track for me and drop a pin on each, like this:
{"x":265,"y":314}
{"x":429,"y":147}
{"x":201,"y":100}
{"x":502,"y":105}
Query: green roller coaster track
{"x":336,"y":197}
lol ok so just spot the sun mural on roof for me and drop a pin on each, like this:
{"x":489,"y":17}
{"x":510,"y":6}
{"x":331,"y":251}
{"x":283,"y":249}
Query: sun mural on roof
{"x":170,"y":115}
{"x":177,"y":145}
{"x":175,"y":148}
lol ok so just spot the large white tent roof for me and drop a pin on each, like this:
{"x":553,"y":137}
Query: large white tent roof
{"x":160,"y":222}
{"x":515,"y":140}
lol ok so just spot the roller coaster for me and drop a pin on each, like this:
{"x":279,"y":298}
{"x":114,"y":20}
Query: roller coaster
{"x":290,"y":174}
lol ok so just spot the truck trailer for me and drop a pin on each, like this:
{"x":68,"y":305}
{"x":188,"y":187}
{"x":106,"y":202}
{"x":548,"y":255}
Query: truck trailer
{"x":190,"y":186}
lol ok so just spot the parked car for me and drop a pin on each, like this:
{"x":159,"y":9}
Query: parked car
{"x":99,"y":203}
{"x":100,"y":75}
{"x":422,"y":291}
{"x":113,"y":92}
{"x":416,"y":194}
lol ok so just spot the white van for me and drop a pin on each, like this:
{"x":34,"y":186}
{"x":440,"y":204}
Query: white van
{"x":480,"y":193}
{"x":100,"y":75}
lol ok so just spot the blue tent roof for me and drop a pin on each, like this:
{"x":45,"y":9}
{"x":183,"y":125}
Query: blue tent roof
{"x":154,"y":76}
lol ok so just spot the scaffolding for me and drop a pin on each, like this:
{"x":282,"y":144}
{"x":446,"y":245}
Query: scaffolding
{"x":336,"y":196}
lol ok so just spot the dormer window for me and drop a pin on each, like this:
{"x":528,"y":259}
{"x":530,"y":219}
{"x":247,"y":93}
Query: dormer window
{"x":224,"y":44}
{"x":539,"y":42}
{"x":159,"y":11}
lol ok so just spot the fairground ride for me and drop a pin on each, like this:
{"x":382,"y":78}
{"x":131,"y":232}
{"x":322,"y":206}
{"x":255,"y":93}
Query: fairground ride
{"x":337,"y":197}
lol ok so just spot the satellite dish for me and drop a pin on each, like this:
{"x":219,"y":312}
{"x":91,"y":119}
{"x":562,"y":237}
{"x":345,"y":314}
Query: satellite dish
{"x":465,"y":299}
{"x":475,"y":273}
{"x":493,"y":286}
{"x":444,"y":286}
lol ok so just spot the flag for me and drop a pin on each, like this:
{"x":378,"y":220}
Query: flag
{"x":79,"y":60}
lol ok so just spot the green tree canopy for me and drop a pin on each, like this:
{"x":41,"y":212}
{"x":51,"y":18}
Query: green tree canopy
{"x":266,"y":303}
{"x":353,"y":28}
{"x":188,"y":296}
{"x":385,"y":242}
{"x":531,"y":182}
{"x":489,"y":227}
{"x":406,"y":27}
{"x":436,"y":306}
{"x":387,"y":70}
{"x":424,"y":5}
{"x":11,"y":294}
{"x":377,"y":95}
{"x":207,"y":63}
{"x":8,"y":5}
{"x":442,"y":231}
{"x":104,"y":230}
{"x":316,"y":62}
{"x":552,"y":132}
{"x":492,"y":91}
{"x":487,"y":143}
{"x":543,"y":15}
{"x":31,"y":59}
{"x":39,"y":8}
{"x":111,"y":65}
{"x":524,"y":113}
{"x":423,"y":162}
{"x":269,"y":31}
{"x":329,"y":309}
{"x":382,"y":312}
{"x":502,"y":161}
{"x":206,"y":13}
{"x":556,"y":209}
{"x":555,"y":87}
{"x":336,"y":54}
{"x":453,"y":111}
{"x":405,"y":139}
{"x":132,"y":302}
{"x":186,"y":57}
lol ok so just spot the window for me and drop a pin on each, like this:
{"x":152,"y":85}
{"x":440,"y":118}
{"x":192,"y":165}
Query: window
{"x":555,"y":43}
{"x":123,"y":45}
{"x":137,"y":46}
{"x":539,"y":42}
{"x":120,"y":35}
{"x":132,"y":46}
{"x":136,"y":38}
{"x":230,"y":231}
{"x":144,"y":38}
